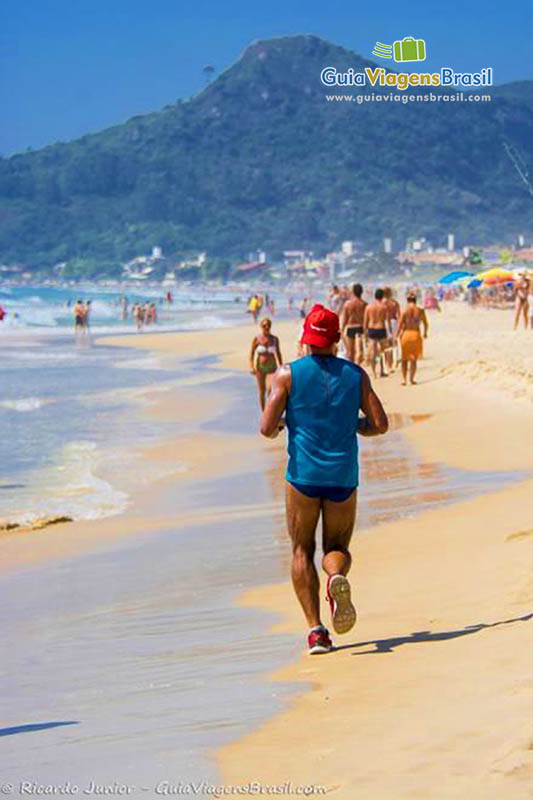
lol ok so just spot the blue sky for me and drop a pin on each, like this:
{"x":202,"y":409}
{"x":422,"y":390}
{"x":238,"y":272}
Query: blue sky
{"x":69,"y":68}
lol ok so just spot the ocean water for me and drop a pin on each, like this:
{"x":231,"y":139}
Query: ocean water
{"x":48,"y":310}
{"x":62,"y":402}
{"x":61,"y":411}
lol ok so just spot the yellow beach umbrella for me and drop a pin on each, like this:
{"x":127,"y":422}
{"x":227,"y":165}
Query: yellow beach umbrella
{"x":495,"y":275}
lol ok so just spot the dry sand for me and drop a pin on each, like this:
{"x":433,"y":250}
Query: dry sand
{"x":432,"y":696}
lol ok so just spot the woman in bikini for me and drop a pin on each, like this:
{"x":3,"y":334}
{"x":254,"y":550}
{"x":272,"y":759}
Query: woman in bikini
{"x":522,"y":300}
{"x":410,"y":337}
{"x":265,"y":357}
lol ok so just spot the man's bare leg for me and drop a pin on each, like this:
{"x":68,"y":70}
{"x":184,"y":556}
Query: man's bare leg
{"x":338,"y":520}
{"x":349,"y":344}
{"x":359,"y":350}
{"x":404,"y":372}
{"x":373,"y":354}
{"x":382,"y":356}
{"x":302,"y":518}
{"x":412,"y":370}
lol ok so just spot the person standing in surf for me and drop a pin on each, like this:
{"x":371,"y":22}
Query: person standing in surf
{"x":322,"y":397}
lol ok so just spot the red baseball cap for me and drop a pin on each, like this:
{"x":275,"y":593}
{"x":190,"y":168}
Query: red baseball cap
{"x":321,"y":327}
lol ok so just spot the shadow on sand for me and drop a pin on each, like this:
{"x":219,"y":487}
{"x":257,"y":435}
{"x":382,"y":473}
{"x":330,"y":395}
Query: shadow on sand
{"x":389,"y":645}
{"x":36,"y":726}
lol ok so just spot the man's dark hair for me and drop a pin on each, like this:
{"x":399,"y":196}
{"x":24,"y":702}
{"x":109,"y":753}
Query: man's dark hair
{"x":379,"y":294}
{"x":357,"y":289}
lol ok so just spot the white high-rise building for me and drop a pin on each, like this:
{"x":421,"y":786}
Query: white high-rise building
{"x":521,"y":240}
{"x":387,"y":245}
{"x":451,"y":242}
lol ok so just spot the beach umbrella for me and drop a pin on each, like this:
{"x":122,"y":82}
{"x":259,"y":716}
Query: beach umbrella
{"x":451,"y":277}
{"x":473,"y":283}
{"x":464,"y":281}
{"x":494,"y":276}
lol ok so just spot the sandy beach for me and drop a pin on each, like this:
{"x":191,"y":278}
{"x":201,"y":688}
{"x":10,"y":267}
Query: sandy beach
{"x":431,"y":695}
{"x":437,"y":702}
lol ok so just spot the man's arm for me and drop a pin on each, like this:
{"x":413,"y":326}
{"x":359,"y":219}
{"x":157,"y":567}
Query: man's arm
{"x":342,"y":318}
{"x":277,"y":401}
{"x":375,"y":421}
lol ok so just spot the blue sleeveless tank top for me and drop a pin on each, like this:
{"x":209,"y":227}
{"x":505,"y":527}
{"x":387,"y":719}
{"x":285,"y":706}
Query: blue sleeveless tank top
{"x":322,"y":412}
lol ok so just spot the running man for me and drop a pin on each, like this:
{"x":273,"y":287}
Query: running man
{"x":352,"y":325}
{"x":522,"y":300}
{"x":265,"y":356}
{"x":375,"y":327}
{"x":322,"y":396}
{"x":410,"y":338}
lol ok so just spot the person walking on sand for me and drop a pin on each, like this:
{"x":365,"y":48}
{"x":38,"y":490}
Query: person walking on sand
{"x":265,"y":356}
{"x":375,"y":328}
{"x":522,"y":299}
{"x":254,"y":307}
{"x":304,"y":305}
{"x":393,"y":317}
{"x":321,"y":396}
{"x":410,"y":337}
{"x":352,"y":325}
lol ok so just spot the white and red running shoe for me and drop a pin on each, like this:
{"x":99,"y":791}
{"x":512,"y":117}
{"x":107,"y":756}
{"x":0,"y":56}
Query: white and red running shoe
{"x":343,"y":613}
{"x":319,"y":641}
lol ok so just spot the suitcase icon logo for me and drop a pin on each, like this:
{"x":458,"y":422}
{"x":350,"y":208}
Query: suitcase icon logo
{"x":409,"y":49}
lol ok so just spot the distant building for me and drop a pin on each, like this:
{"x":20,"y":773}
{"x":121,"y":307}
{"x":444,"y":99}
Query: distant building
{"x":451,"y":242}
{"x":387,"y":245}
{"x":251,"y":267}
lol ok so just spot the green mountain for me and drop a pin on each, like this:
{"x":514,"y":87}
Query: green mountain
{"x":260,"y":159}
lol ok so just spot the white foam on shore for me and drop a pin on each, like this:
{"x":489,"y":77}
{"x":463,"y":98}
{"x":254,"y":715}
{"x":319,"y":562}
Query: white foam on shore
{"x":24,"y":404}
{"x":67,"y":487}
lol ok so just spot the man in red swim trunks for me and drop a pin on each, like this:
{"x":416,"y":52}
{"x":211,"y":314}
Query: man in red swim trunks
{"x":322,"y":396}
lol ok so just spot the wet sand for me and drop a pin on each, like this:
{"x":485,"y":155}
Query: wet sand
{"x":442,"y":718}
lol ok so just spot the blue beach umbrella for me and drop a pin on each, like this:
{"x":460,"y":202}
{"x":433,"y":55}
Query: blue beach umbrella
{"x":474,"y":283}
{"x":454,"y":276}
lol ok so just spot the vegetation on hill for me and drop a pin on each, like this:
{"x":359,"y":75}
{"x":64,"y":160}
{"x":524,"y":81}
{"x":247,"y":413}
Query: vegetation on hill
{"x":260,"y":159}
